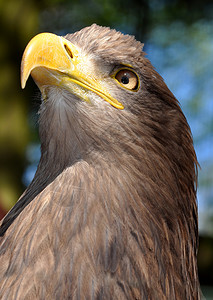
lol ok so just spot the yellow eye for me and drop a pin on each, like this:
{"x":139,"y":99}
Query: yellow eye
{"x":127,"y":79}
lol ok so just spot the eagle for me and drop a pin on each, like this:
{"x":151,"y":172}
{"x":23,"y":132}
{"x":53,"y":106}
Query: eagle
{"x":111,"y":212}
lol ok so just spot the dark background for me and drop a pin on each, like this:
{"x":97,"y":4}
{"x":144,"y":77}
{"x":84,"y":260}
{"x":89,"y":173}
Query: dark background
{"x":178,"y":37}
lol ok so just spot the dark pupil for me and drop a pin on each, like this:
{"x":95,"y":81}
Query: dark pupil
{"x":125,"y":79}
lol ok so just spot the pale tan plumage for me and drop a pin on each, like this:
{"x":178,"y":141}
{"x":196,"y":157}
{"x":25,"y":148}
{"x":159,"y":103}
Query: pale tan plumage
{"x":111,"y":212}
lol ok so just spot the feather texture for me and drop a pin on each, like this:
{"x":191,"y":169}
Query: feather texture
{"x":111,"y":212}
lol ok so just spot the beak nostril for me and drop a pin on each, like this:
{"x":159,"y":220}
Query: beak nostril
{"x":68,"y":51}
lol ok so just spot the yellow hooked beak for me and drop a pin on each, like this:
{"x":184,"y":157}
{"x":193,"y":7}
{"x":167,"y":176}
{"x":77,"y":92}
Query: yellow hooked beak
{"x":53,"y":60}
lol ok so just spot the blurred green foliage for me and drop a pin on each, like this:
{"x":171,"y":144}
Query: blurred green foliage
{"x":20,"y":20}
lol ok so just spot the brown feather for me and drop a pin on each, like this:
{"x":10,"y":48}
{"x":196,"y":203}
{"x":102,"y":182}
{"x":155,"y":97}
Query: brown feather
{"x":111,"y":212}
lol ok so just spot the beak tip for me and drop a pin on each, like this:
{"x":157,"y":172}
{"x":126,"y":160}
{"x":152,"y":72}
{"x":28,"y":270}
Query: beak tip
{"x":23,"y":81}
{"x":23,"y":85}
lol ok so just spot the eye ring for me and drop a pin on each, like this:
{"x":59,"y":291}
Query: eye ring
{"x":127,"y":78}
